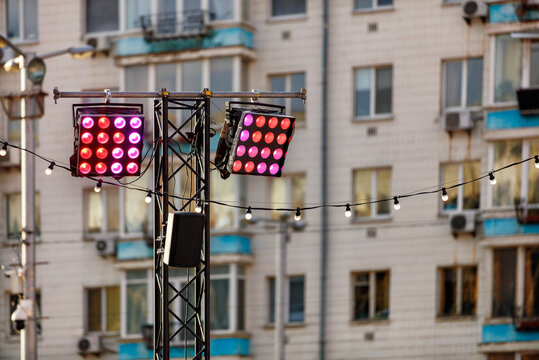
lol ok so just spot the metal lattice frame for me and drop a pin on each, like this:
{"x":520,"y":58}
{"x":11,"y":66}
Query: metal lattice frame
{"x":195,"y":130}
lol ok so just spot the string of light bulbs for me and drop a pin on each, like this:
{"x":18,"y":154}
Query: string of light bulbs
{"x":249,"y":209}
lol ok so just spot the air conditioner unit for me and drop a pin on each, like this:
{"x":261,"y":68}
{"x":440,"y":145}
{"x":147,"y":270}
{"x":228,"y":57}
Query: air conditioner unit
{"x":89,"y":344}
{"x":101,"y":44}
{"x":474,"y":9}
{"x":11,"y":159}
{"x":105,"y":247}
{"x":458,"y":120}
{"x":463,"y":223}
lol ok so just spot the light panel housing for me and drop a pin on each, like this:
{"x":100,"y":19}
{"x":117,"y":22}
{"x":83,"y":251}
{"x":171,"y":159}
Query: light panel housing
{"x":108,"y":140}
{"x":254,"y":142}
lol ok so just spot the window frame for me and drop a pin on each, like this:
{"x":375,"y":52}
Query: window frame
{"x":459,"y":291}
{"x":375,"y":7}
{"x":22,"y":39}
{"x":525,"y":176}
{"x":123,"y":301}
{"x":372,"y":295}
{"x":374,"y":195}
{"x":464,"y":84}
{"x":288,"y":178}
{"x":288,"y":87}
{"x":286,"y":16}
{"x":460,"y":189}
{"x":372,"y":94}
{"x":37,"y":204}
{"x":286,"y":305}
{"x":104,"y":310}
{"x":234,"y":275}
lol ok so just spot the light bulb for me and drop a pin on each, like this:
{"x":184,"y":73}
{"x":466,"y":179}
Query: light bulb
{"x":148,"y":198}
{"x":248,"y":214}
{"x":396,"y":204}
{"x":3,"y":150}
{"x":347,"y":211}
{"x":445,"y":197}
{"x":297,"y":216}
{"x":492,"y":178}
{"x":48,"y":170}
{"x":198,"y":208}
{"x":97,"y":187}
{"x":536,"y":161}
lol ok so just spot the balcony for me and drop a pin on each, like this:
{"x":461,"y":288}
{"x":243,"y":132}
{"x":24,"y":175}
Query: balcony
{"x":176,"y":25}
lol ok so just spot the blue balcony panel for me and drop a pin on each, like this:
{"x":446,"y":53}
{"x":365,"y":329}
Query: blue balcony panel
{"x":219,"y":347}
{"x":236,"y":36}
{"x":221,"y":244}
{"x":510,"y":119}
{"x":507,"y":227}
{"x":506,"y":333}
{"x":504,"y":13}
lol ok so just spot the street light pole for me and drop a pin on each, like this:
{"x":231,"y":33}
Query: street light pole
{"x":280,"y":282}
{"x":28,"y":249}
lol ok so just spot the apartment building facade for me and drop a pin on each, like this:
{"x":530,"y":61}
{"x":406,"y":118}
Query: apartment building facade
{"x":418,"y":97}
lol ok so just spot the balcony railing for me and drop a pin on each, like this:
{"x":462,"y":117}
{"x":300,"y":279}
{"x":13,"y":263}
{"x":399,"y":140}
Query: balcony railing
{"x":526,"y":214}
{"x":175,"y":25}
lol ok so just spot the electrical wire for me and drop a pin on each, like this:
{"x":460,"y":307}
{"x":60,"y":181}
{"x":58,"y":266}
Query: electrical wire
{"x":284,"y":209}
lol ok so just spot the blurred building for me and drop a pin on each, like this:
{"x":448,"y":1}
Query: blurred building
{"x":420,"y":93}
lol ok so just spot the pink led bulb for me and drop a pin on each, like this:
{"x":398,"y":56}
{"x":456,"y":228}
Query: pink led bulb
{"x":119,"y":122}
{"x":133,"y":153}
{"x":134,"y":138}
{"x":87,"y":122}
{"x":116,"y":168}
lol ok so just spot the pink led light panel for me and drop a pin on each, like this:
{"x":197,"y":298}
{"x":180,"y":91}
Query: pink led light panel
{"x":117,"y":153}
{"x":135,"y":122}
{"x":248,"y":120}
{"x":87,"y":122}
{"x":133,"y":153}
{"x":244,"y":135}
{"x":240,"y":151}
{"x":116,"y":168}
{"x":132,"y":168}
{"x":134,"y":138}
{"x":119,"y":122}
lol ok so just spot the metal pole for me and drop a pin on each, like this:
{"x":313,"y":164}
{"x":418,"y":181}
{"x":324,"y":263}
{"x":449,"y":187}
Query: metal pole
{"x":164,"y":267}
{"x":157,"y":234}
{"x":207,"y":194}
{"x":280,"y":263}
{"x":28,"y":250}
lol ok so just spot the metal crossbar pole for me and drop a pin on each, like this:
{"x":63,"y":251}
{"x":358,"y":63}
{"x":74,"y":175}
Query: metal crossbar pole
{"x":302,"y":94}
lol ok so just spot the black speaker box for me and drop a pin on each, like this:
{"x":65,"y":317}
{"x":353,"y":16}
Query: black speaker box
{"x":183,"y":242}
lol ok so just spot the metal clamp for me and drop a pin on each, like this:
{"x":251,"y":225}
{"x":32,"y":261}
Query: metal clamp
{"x":108,"y":95}
{"x":257,"y":98}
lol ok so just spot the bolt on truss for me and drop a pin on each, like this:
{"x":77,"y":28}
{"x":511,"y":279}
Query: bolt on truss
{"x":181,"y":312}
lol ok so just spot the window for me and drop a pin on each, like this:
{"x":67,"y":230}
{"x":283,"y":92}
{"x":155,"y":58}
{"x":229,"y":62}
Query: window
{"x":102,"y":16}
{"x":507,"y":68}
{"x":14,"y":215}
{"x":463,"y":197}
{"x":291,"y":82}
{"x":103,"y":309}
{"x":221,"y":9}
{"x":288,"y":7}
{"x":372,"y":4}
{"x":510,"y":187}
{"x":370,"y":185}
{"x":227,"y":297}
{"x":371,"y":295}
{"x":222,"y":217}
{"x":503,"y":299}
{"x":458,"y":290}
{"x":114,"y":210}
{"x":221,"y":79}
{"x":21,"y":19}
{"x":534,"y":64}
{"x":287,"y":191}
{"x":294,"y":307}
{"x":531,"y":282}
{"x":137,"y":299}
{"x":14,"y":300}
{"x":463,"y":83}
{"x":373,"y":88}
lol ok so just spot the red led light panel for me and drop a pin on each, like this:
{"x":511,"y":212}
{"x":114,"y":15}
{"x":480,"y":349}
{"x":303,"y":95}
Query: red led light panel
{"x":108,"y":141}
{"x":260,"y":144}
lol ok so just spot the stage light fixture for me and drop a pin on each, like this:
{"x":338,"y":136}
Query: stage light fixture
{"x":108,"y":140}
{"x":254,"y":140}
